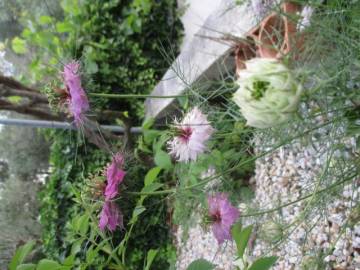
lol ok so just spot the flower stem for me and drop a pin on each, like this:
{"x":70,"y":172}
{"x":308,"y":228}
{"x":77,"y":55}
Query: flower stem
{"x":300,"y":199}
{"x":133,"y":95}
{"x":160,"y":192}
{"x":240,"y":164}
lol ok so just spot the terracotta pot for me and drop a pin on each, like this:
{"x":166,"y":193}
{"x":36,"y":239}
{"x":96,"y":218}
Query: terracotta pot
{"x":243,"y":52}
{"x":275,"y":37}
{"x":278,"y":33}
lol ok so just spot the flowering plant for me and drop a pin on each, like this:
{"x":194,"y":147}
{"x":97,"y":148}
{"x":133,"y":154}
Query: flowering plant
{"x":77,"y":99}
{"x":222,"y":215}
{"x":268,"y":93}
{"x":192,"y":133}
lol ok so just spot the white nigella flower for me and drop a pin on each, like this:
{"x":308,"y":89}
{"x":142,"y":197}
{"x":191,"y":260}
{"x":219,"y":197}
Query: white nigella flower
{"x":192,"y":133}
{"x":268,"y":93}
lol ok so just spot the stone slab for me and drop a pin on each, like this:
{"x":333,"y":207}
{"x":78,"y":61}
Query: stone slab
{"x":203,"y":57}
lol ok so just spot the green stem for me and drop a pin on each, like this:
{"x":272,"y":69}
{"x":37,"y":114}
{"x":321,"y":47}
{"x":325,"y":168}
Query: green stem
{"x":160,"y":192}
{"x":133,"y":95}
{"x":208,"y":179}
{"x":300,"y":199}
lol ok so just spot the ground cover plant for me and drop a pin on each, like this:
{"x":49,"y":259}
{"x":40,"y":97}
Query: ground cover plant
{"x":113,"y":201}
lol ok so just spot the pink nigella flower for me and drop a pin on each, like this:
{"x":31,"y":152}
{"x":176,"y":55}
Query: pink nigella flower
{"x":114,"y":176}
{"x":222,"y":215}
{"x":110,"y":216}
{"x":192,"y":134}
{"x":78,"y":101}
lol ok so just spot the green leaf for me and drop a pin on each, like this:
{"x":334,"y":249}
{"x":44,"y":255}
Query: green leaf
{"x":139,"y":209}
{"x":148,"y":123}
{"x":236,"y":231}
{"x":18,"y":45}
{"x":241,"y":238}
{"x":76,"y":246}
{"x":26,"y":33}
{"x":151,"y":176}
{"x":46,"y":264}
{"x":201,"y":264}
{"x":20,"y":255}
{"x":71,"y":7}
{"x":184,"y":102}
{"x":150,"y":258}
{"x":69,"y":260}
{"x":45,"y":20}
{"x":83,"y":224}
{"x":91,"y":253}
{"x":26,"y":266}
{"x":15,"y":99}
{"x":64,"y":27}
{"x":162,"y":159}
{"x":263,"y":263}
{"x":152,"y":187}
{"x":91,"y":67}
{"x":150,"y":135}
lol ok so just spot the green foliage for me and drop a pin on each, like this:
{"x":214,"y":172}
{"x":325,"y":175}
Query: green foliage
{"x":150,"y":258}
{"x":124,"y":41}
{"x":20,"y":255}
{"x":263,"y":263}
{"x":23,"y":252}
{"x":120,"y":43}
{"x":122,"y":55}
{"x":241,"y":237}
{"x":18,"y":45}
{"x":63,"y":209}
{"x":201,"y":264}
{"x":118,"y":51}
{"x":72,"y":160}
{"x":162,"y":159}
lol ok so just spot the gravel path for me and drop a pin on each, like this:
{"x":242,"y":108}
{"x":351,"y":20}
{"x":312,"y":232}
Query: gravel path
{"x":283,"y":176}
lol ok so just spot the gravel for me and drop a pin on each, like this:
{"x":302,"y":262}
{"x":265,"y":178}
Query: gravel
{"x":283,"y":176}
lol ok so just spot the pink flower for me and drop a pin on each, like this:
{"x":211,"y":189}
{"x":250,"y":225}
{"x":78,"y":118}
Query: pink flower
{"x":192,"y":134}
{"x":110,"y":217}
{"x":78,"y":101}
{"x":114,"y":176}
{"x":223,"y":215}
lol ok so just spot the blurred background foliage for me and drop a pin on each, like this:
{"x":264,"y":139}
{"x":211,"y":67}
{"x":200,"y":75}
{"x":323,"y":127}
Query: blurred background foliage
{"x":120,"y":45}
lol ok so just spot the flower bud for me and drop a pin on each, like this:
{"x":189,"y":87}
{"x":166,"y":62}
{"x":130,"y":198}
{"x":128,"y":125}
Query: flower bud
{"x":271,"y":232}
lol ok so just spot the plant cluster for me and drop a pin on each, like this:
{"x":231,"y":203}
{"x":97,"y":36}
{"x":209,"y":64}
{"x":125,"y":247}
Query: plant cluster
{"x":200,"y":163}
{"x":121,"y":55}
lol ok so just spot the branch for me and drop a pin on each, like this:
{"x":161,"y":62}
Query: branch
{"x":11,"y":87}
{"x":12,"y":83}
{"x":30,"y":110}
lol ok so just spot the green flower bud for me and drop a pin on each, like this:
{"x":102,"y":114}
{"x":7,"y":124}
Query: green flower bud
{"x":271,"y":232}
{"x":268,"y":94}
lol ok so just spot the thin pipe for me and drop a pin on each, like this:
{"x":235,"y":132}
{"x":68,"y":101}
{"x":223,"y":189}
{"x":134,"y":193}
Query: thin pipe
{"x":59,"y":125}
